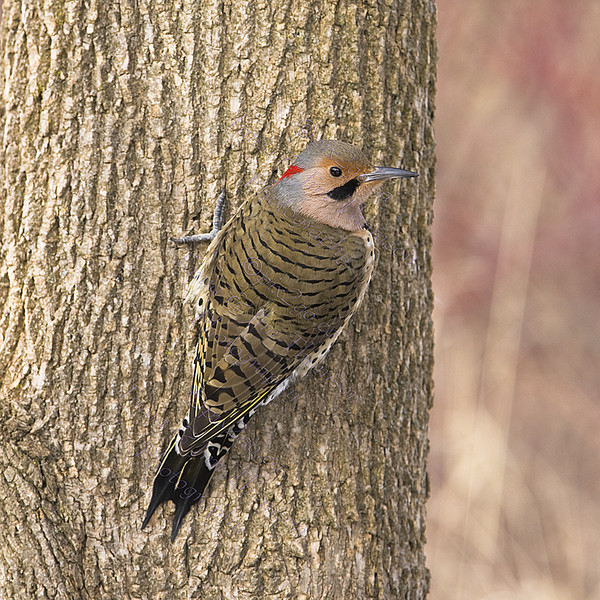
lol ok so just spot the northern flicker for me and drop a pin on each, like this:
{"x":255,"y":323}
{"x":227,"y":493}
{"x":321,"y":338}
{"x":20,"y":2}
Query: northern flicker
{"x":277,"y":285}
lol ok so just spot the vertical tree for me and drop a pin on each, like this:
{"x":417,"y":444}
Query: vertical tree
{"x":120,"y":124}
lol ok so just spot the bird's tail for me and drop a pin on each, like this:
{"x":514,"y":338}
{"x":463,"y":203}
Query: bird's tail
{"x":181,"y":479}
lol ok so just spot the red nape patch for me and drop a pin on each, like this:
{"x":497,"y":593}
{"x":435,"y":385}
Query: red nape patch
{"x":291,"y":171}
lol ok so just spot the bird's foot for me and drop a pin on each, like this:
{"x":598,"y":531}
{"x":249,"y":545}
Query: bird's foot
{"x":217,"y":225}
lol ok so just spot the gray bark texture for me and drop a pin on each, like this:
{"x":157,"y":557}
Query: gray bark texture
{"x":121,"y":122}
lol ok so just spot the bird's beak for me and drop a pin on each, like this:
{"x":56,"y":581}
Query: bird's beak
{"x":383,"y":173}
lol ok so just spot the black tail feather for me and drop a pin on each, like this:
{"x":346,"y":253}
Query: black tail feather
{"x":195,"y":478}
{"x":181,"y":479}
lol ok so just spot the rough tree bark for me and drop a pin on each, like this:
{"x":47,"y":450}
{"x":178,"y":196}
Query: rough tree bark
{"x":120,"y":124}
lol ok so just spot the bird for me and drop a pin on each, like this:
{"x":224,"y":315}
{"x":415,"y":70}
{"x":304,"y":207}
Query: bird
{"x":278,"y":284}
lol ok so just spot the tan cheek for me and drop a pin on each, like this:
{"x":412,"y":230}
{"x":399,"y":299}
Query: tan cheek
{"x":316,"y":185}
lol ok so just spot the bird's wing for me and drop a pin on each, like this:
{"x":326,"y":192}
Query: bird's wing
{"x":253,"y":362}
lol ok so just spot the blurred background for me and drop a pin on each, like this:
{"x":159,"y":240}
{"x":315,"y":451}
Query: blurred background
{"x":515,"y":445}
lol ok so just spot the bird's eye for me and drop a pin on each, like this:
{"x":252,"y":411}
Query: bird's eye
{"x":335,"y":171}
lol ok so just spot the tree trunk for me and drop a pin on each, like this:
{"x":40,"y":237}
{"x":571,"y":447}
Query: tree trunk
{"x":121,"y":123}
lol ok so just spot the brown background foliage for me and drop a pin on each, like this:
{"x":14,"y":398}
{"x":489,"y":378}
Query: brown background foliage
{"x":515,"y":453}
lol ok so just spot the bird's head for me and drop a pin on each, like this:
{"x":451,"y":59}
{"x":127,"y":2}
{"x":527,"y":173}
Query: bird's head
{"x":330,"y":181}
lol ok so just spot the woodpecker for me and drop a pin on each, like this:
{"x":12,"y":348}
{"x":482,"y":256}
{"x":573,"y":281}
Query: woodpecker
{"x":277,"y":286}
